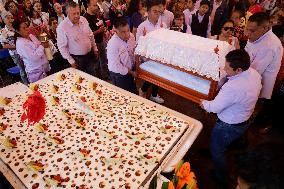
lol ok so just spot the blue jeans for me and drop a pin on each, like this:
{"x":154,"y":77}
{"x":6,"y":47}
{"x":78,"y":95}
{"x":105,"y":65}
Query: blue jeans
{"x":223,"y":135}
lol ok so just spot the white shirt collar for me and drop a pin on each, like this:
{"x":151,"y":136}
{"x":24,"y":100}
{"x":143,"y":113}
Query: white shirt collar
{"x":119,"y":39}
{"x":152,"y":23}
{"x":71,"y":24}
{"x":263,"y":36}
{"x":239,"y":75}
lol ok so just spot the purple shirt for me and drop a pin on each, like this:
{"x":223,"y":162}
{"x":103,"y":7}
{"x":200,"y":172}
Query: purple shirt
{"x":266,"y":55}
{"x":236,"y":100}
{"x":75,"y":39}
{"x":32,"y":53}
{"x":147,"y":26}
{"x":120,"y":54}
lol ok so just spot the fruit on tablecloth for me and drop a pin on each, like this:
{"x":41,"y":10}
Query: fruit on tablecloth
{"x":10,"y":143}
{"x":5,"y":100}
{"x":55,"y":88}
{"x":2,"y":111}
{"x":35,"y":166}
{"x":40,"y":127}
{"x":55,"y":100}
{"x":3,"y":127}
{"x":34,"y":87}
{"x":61,"y":77}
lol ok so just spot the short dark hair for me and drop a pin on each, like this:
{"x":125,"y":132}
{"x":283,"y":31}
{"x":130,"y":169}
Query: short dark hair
{"x":178,"y":14}
{"x":71,"y":4}
{"x":151,"y":3}
{"x":229,"y":21}
{"x":16,"y":25}
{"x":205,"y":2}
{"x":7,"y":4}
{"x":242,"y":14}
{"x":120,"y":22}
{"x":238,"y":59}
{"x":262,"y":167}
{"x":259,"y":17}
{"x":51,"y":20}
{"x":88,"y":2}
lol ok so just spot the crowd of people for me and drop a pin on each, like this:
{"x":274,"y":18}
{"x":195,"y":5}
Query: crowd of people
{"x":99,"y":37}
{"x":71,"y":45}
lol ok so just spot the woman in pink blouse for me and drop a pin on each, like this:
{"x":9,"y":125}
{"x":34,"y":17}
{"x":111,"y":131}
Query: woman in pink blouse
{"x":31,"y":50}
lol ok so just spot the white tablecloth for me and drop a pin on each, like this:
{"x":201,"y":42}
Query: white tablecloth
{"x":176,"y":152}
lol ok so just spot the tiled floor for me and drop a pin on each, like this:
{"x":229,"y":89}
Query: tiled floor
{"x":199,"y":160}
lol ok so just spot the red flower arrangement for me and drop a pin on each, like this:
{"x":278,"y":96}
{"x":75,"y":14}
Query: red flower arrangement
{"x":34,"y":108}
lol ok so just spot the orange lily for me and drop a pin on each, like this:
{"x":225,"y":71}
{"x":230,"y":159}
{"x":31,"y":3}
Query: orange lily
{"x":184,"y":175}
{"x":171,"y":185}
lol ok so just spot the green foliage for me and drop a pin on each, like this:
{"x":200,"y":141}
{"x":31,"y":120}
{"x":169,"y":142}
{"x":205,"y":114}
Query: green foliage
{"x":191,"y":185}
{"x":175,"y":180}
{"x":165,"y":185}
{"x":180,"y":163}
{"x":153,"y":183}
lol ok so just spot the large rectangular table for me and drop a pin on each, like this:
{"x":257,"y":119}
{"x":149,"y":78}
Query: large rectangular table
{"x":110,"y":139}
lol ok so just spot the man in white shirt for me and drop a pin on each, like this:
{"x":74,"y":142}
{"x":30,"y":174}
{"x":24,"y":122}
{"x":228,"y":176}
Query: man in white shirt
{"x":189,"y":11}
{"x":152,"y":23}
{"x":59,"y":13}
{"x":76,"y":43}
{"x":166,"y":16}
{"x":234,"y":105}
{"x":266,"y":53}
{"x":120,"y":54}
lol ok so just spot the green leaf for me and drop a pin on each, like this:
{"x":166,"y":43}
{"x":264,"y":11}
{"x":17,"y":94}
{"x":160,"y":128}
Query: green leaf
{"x":191,"y":185}
{"x":153,"y":183}
{"x":179,"y":165}
{"x":175,"y":180}
{"x":165,"y":185}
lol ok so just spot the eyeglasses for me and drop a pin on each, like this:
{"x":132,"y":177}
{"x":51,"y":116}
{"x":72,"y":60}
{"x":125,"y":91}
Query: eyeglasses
{"x":228,"y":28}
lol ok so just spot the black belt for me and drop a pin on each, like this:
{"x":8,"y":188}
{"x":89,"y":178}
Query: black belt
{"x":237,"y":124}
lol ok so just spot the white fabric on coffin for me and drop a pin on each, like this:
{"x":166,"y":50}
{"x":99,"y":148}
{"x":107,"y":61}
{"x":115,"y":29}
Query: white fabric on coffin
{"x":177,"y":76}
{"x":193,"y":53}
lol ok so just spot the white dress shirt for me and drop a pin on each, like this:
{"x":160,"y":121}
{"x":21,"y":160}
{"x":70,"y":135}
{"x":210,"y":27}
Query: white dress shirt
{"x":187,"y":13}
{"x":266,"y":55}
{"x":236,"y":100}
{"x":75,"y":39}
{"x":60,"y":18}
{"x":32,"y":53}
{"x":188,"y":29}
{"x":167,"y":17}
{"x":120,"y":54}
{"x":147,"y":26}
{"x":200,"y":18}
{"x":43,"y":19}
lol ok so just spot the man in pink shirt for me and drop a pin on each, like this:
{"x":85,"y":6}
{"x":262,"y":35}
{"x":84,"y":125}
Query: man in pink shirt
{"x":76,"y":43}
{"x":120,"y":54}
{"x":233,"y":105}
